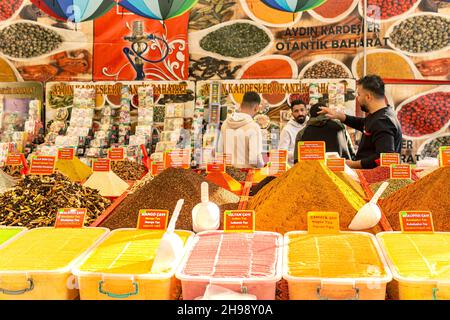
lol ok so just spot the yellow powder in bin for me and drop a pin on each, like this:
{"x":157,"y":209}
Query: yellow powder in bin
{"x":127,"y":252}
{"x":418,"y":256}
{"x":107,"y":183}
{"x":333,"y":256}
{"x":386,"y":65}
{"x":47,"y":248}
{"x":74,"y":169}
{"x":6,"y":72}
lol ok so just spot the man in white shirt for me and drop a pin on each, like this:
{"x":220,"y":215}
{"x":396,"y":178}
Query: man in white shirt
{"x":289,"y":132}
{"x":241,"y":136}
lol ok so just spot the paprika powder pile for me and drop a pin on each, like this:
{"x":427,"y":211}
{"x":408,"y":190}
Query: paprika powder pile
{"x":431,"y":193}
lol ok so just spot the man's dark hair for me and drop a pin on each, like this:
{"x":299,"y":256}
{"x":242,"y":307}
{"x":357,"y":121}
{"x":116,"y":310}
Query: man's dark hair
{"x":251,"y":98}
{"x":374,"y":84}
{"x":296,"y":103}
{"x":315,"y":109}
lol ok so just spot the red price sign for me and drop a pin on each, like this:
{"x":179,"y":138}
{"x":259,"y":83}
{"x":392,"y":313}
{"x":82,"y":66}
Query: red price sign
{"x":400,"y":171}
{"x":444,"y":156}
{"x":216,"y":165}
{"x":336,"y":164}
{"x":311,"y":150}
{"x":177,"y":158}
{"x":101,"y":165}
{"x":156,"y":168}
{"x":239,"y":221}
{"x":70,"y":218}
{"x":153,"y":219}
{"x":277,"y":162}
{"x":66,"y":154}
{"x":15,"y":159}
{"x":389,"y":158}
{"x":42,"y":165}
{"x":416,"y":221}
{"x":116,"y":154}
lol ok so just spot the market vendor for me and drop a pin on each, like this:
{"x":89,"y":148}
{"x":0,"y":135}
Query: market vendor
{"x":381,"y":130}
{"x":290,"y":130}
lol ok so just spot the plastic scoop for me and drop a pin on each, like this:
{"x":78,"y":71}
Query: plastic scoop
{"x":370,"y":214}
{"x":171,"y":245}
{"x":205,"y":215}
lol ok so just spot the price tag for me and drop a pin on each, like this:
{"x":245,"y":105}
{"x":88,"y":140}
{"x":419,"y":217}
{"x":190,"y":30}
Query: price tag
{"x":66,"y":153}
{"x":216,"y":165}
{"x":101,"y":165}
{"x":70,"y":218}
{"x":336,"y":164}
{"x":400,"y":171}
{"x":239,"y":221}
{"x":156,"y":167}
{"x":42,"y":165}
{"x":116,"y":154}
{"x":389,"y":158}
{"x":323,"y":222}
{"x":444,"y":156}
{"x":153,"y":219}
{"x":177,"y":158}
{"x":277,"y":162}
{"x":416,"y":221}
{"x":311,"y":150}
{"x":15,"y":159}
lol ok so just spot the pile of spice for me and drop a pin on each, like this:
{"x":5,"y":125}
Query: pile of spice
{"x":35,"y":200}
{"x":237,"y":174}
{"x":421,"y":34}
{"x":237,"y":40}
{"x":431,"y":149}
{"x":163,"y":192}
{"x":26,"y":40}
{"x":107,"y":183}
{"x":425,"y":115}
{"x":387,"y":65}
{"x":8,"y":8}
{"x":333,"y":9}
{"x":394,"y":186}
{"x":326,"y":69}
{"x":13,"y":171}
{"x":141,"y":183}
{"x":352,"y":183}
{"x":375,"y":175}
{"x":75,"y":169}
{"x":389,"y":8}
{"x":128,"y":170}
{"x":6,"y":182}
{"x":431,"y":193}
{"x":283,"y":204}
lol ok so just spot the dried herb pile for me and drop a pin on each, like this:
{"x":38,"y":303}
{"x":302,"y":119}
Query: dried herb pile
{"x":35,"y":200}
{"x":431,"y":193}
{"x":163,"y":192}
{"x":128,"y":170}
{"x":394,"y":185}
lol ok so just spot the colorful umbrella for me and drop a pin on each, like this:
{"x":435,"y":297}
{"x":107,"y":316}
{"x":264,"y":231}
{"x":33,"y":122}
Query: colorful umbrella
{"x":74,"y":10}
{"x":158,"y":9}
{"x":293,"y":5}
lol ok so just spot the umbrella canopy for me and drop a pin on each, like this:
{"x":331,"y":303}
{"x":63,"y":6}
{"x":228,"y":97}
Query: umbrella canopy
{"x":74,"y":10}
{"x":158,"y":9}
{"x":293,"y":5}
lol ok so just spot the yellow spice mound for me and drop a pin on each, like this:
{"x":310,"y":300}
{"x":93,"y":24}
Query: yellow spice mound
{"x":333,"y":256}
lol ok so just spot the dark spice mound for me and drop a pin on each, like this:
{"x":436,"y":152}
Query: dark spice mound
{"x":128,"y":170}
{"x":163,"y":192}
{"x":237,"y":174}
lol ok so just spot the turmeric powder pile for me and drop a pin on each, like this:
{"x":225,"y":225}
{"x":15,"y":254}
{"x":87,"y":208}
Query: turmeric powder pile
{"x":283,"y":204}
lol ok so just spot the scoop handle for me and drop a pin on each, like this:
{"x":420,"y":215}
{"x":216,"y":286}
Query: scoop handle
{"x":379,"y":192}
{"x":175,"y":215}
{"x":204,"y":192}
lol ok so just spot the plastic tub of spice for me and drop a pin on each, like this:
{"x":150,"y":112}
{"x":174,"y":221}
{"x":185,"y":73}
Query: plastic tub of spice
{"x":37,"y":264}
{"x":420,"y":264}
{"x":119,"y":267}
{"x":243,"y":262}
{"x":9,"y":233}
{"x":347,"y":265}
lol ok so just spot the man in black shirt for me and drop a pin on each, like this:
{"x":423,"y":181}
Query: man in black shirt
{"x":381,"y":130}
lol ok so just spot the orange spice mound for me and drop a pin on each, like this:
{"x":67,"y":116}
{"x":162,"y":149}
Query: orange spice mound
{"x":431,"y":193}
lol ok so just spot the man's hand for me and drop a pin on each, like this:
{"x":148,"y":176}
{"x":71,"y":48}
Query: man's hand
{"x":354,"y":164}
{"x":332,"y":114}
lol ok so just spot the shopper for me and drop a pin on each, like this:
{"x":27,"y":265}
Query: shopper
{"x":241,"y":136}
{"x":381,"y":129}
{"x":321,"y":128}
{"x":289,"y":132}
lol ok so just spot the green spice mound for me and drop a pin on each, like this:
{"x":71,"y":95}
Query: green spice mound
{"x":26,"y":40}
{"x":394,"y":185}
{"x":238,"y":40}
{"x":421,"y":34}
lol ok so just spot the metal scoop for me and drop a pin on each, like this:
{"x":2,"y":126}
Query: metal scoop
{"x":370,"y":214}
{"x":171,"y":245}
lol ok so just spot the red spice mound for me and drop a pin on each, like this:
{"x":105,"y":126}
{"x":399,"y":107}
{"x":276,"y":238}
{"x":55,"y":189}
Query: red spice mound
{"x":376,"y":175}
{"x":388,"y":8}
{"x":8,"y":8}
{"x":333,"y":9}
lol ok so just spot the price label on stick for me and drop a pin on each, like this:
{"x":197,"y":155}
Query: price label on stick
{"x":277,"y":162}
{"x":311,"y":150}
{"x":400,"y":171}
{"x":336,"y":164}
{"x":416,"y":221}
{"x":150,"y":219}
{"x":66,"y":153}
{"x":15,"y":159}
{"x":389,"y":158}
{"x":323,"y":222}
{"x":239,"y":221}
{"x":116,"y":154}
{"x":101,"y":165}
{"x":42,"y":165}
{"x":70,"y":218}
{"x":157,"y":167}
{"x":216,"y":165}
{"x":177,"y":158}
{"x":444,"y":156}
